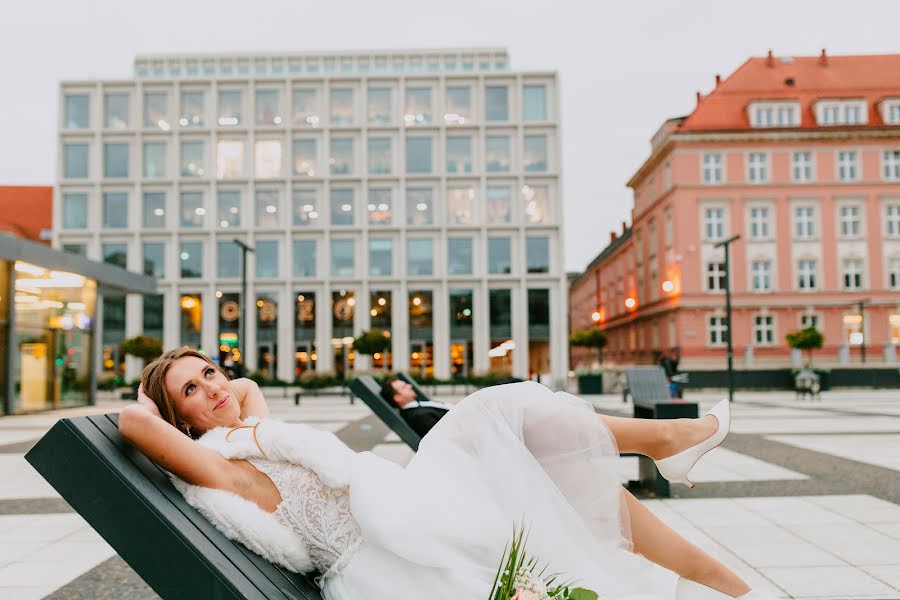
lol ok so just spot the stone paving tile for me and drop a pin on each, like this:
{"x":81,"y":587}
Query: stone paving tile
{"x":829,"y":582}
{"x":882,"y":450}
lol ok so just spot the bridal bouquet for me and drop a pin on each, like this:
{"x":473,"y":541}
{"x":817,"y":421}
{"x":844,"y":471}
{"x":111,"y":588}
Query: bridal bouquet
{"x":517,"y":580}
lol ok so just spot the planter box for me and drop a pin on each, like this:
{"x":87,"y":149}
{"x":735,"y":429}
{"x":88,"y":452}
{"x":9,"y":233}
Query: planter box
{"x":590,"y":384}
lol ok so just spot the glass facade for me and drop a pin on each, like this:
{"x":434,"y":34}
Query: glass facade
{"x":306,"y":207}
{"x":380,"y":206}
{"x":459,"y":256}
{"x":191,"y":260}
{"x":421,"y":332}
{"x":342,"y":206}
{"x":154,"y":160}
{"x":418,"y":155}
{"x":115,"y":160}
{"x":381,"y":257}
{"x":497,"y":154}
{"x":228,"y":260}
{"x":341,"y":101}
{"x":496,"y":103}
{"x":116,"y":111}
{"x":499,"y":255}
{"x":461,"y":346}
{"x":306,"y":107}
{"x":304,"y":254}
{"x":459,"y":154}
{"x":75,"y":161}
{"x":115,"y":210}
{"x":343,"y":260}
{"x":419,"y":257}
{"x":341,"y":160}
{"x":499,"y":203}
{"x":537,"y":253}
{"x":191,"y":320}
{"x":193,"y":213}
{"x":305,"y":157}
{"x":154,"y":210}
{"x":266,"y":259}
{"x":193,"y":161}
{"x":534,"y":153}
{"x":305,"y":355}
{"x":77,"y":111}
{"x":228,"y":210}
{"x":156,"y":111}
{"x":154,"y":259}
{"x":378,"y":106}
{"x":267,"y":335}
{"x":534,"y":103}
{"x":230,"y":111}
{"x":380,"y":157}
{"x":74,"y":211}
{"x":268,"y":208}
{"x":419,"y":206}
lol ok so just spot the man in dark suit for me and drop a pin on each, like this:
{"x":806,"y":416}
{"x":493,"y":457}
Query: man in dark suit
{"x":421,"y":416}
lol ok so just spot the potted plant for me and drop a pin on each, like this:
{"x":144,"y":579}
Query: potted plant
{"x":146,"y":348}
{"x":807,"y":340}
{"x":590,"y":382}
{"x":372,"y":342}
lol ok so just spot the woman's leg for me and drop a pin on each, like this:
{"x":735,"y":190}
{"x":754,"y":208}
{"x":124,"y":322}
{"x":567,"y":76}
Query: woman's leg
{"x":660,"y":544}
{"x":658,"y":438}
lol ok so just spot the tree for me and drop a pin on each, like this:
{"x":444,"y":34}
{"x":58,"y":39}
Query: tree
{"x":144,"y":347}
{"x":591,"y":337}
{"x":372,"y":342}
{"x":808,"y":339}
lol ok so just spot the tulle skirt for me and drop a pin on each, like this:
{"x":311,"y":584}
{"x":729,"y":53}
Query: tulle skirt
{"x":511,"y":454}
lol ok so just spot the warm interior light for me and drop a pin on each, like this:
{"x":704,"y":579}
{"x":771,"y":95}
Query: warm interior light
{"x":630,"y":302}
{"x":668,"y":286}
{"x":188,"y":302}
{"x":595,"y":316}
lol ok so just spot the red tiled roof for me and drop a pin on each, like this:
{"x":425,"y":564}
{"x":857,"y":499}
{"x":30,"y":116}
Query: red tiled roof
{"x":872,"y":77}
{"x":26,"y":210}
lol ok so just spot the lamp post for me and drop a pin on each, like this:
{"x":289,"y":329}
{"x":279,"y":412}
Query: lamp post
{"x":243,"y":335}
{"x":727,"y":245}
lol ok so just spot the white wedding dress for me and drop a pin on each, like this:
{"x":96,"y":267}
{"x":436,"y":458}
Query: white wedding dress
{"x":508,"y":454}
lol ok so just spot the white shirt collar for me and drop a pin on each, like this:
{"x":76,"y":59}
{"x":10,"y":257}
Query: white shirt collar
{"x":428,"y":404}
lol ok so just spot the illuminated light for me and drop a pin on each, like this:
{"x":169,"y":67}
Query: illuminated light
{"x":200,"y":211}
{"x":23,"y":299}
{"x":76,"y":305}
{"x":346,"y":207}
{"x":188,"y":302}
{"x":159,"y":212}
{"x":277,"y":120}
{"x":259,"y":303}
{"x":508,"y":344}
{"x":228,"y":121}
{"x":347,"y":340}
{"x":421,"y":206}
{"x":668,"y":286}
{"x":377,"y":355}
{"x":314,"y":215}
{"x":228,"y":337}
{"x":183,"y":122}
{"x":415,"y":356}
{"x":164,"y":125}
{"x":595,"y":316}
{"x":351,"y":301}
{"x":233,"y":210}
{"x":185,"y":256}
{"x":223,"y":224}
{"x":271,"y":209}
{"x":383,"y":206}
{"x":856,"y":338}
{"x":24,"y":267}
{"x":313,"y":356}
{"x":417,"y":301}
{"x":371,"y":207}
{"x":373,"y":312}
{"x":218,"y":293}
{"x":342,"y":293}
{"x":308,"y":207}
{"x":467,"y":312}
{"x":630,"y":302}
{"x":382,"y":302}
{"x":223,"y":348}
{"x":301,"y":298}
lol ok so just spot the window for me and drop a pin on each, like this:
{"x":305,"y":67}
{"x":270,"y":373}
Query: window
{"x":305,"y":157}
{"x":267,"y":159}
{"x":534,"y":153}
{"x":459,"y":256}
{"x":306,"y":207}
{"x":229,"y":159}
{"x":715,"y":277}
{"x":193,"y":213}
{"x":418,"y":154}
{"x":894,"y":273}
{"x":893,"y":219}
{"x":228,"y":212}
{"x":497,"y":154}
{"x":154,"y":159}
{"x":192,"y":260}
{"x":116,"y":254}
{"x":306,"y":109}
{"x":537,"y":253}
{"x":499,"y":204}
{"x":342,"y":258}
{"x":775,"y":114}
{"x":850,"y":221}
{"x":381,"y":257}
{"x":808,"y":320}
{"x":757,"y":167}
{"x":714,"y":223}
{"x":418,"y":106}
{"x":228,"y":260}
{"x":496,"y":103}
{"x":230,"y":112}
{"x":890,"y":160}
{"x":304,"y":258}
{"x":77,"y":111}
{"x":716,"y":327}
{"x":419,"y":257}
{"x":268,"y":107}
{"x":378,"y":107}
{"x":669,"y":232}
{"x":155,"y":209}
{"x":759,"y":223}
{"x":78,"y":249}
{"x":155,"y":259}
{"x":499,"y":255}
{"x":342,"y":206}
{"x":764,"y":330}
{"x":848,"y":168}
{"x":461,"y":205}
{"x":853,"y":329}
{"x":419,"y":206}
{"x":266,"y":254}
{"x":268,"y":208}
{"x":806,"y":274}
{"x":75,"y":160}
{"x":894,"y":323}
{"x":156,"y":110}
{"x":193,"y":162}
{"x":341,"y":106}
{"x":761,"y":273}
{"x":852,"y":273}
{"x":116,"y":111}
{"x":115,"y":210}
{"x":459,"y":154}
{"x":712,"y":169}
{"x":804,"y":222}
{"x":459,"y":105}
{"x":74,"y":209}
{"x":536,"y":199}
{"x":193,"y":109}
{"x":848,"y":112}
{"x":801,"y":166}
{"x":342,"y":159}
{"x":534,"y":103}
{"x":380,"y":156}
{"x":115,"y":160}
{"x":380,"y":206}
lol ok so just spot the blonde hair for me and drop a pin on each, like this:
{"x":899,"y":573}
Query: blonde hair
{"x":153,"y":382}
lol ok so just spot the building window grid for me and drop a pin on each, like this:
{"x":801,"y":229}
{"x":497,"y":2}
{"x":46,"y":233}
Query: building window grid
{"x":848,"y":165}
{"x":852,"y":273}
{"x":764,"y":330}
{"x":758,"y":167}
{"x":890,"y":160}
{"x":712,"y":168}
{"x":894,"y":273}
{"x":761,"y":276}
{"x":806,"y":274}
{"x":716,"y":326}
{"x":714,"y":223}
{"x":759,"y":223}
{"x":715,"y":276}
{"x":892,"y":213}
{"x":804,"y":222}
{"x":802,"y":166}
{"x":850,"y":221}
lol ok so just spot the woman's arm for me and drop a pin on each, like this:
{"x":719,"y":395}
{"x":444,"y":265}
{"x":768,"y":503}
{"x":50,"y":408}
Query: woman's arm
{"x":250,"y":397}
{"x":174,"y":451}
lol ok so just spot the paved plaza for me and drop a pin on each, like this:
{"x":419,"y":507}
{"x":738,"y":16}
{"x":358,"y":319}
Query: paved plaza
{"x":802,"y":500}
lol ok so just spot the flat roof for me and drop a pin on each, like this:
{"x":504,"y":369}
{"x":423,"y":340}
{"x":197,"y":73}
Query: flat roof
{"x":107,"y":276}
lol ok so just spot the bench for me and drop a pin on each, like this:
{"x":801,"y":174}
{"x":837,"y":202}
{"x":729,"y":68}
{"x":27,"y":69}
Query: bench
{"x":649,"y":391}
{"x":132,"y":504}
{"x":368,"y":390}
{"x":345,"y":391}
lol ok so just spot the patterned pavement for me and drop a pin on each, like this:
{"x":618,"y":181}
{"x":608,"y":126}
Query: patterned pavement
{"x":802,"y":500}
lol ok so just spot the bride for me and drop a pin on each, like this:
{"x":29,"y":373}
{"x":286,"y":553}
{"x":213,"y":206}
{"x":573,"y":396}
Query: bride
{"x":373,"y":530}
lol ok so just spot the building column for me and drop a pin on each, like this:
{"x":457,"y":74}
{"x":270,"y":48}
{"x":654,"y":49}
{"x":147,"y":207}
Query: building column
{"x":171,"y":319}
{"x":559,"y":342}
{"x":286,"y":348}
{"x":209,"y":322}
{"x":98,"y":333}
{"x":249,"y":312}
{"x":481,"y":334}
{"x":400,"y":327}
{"x":519,"y":302}
{"x":324,"y":350}
{"x":441,"y":329}
{"x":134,"y":325}
{"x":362,"y":321}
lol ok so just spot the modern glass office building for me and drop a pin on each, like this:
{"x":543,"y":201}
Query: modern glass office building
{"x":416,"y":192}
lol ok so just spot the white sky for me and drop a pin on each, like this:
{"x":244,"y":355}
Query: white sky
{"x":624,"y":66}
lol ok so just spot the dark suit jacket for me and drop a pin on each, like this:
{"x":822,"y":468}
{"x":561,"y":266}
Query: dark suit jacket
{"x":422,"y":418}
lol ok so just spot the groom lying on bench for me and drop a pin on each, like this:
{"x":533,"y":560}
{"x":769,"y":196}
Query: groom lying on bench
{"x":420,"y":415}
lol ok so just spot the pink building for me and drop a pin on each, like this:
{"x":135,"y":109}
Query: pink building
{"x":800,"y":156}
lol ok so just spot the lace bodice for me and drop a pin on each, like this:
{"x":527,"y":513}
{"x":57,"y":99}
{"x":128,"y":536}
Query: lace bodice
{"x":319,"y":514}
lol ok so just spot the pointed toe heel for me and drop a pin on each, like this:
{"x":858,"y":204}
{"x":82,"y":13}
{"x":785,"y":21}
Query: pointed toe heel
{"x":676,"y":468}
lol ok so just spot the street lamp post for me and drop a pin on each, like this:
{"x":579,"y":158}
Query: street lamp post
{"x":243,"y":335}
{"x":727,"y":245}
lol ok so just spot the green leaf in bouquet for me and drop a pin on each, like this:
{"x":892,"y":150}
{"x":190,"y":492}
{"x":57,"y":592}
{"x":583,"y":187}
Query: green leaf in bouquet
{"x":582,"y":594}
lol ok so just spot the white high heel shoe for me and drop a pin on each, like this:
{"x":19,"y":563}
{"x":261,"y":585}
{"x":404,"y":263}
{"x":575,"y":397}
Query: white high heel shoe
{"x":686,"y":589}
{"x":676,"y":468}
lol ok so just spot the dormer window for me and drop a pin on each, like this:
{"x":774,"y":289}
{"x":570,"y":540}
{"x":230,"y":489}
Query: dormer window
{"x":774,"y":114}
{"x":890,"y":111}
{"x":841,"y":112}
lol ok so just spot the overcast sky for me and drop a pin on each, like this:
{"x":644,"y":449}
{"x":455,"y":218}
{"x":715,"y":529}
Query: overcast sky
{"x":624,"y":66}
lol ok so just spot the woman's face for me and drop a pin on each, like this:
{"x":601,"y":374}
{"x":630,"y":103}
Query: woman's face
{"x":201,"y":394}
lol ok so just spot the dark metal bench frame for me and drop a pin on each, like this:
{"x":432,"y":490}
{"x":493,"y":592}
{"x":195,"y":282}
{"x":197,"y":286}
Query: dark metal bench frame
{"x":132,"y":504}
{"x":367,"y":389}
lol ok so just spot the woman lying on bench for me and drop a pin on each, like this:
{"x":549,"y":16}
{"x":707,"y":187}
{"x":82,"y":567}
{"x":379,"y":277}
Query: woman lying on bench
{"x":436,"y":529}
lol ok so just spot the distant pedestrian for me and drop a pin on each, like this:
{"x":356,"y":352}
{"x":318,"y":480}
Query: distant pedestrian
{"x":668,"y":360}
